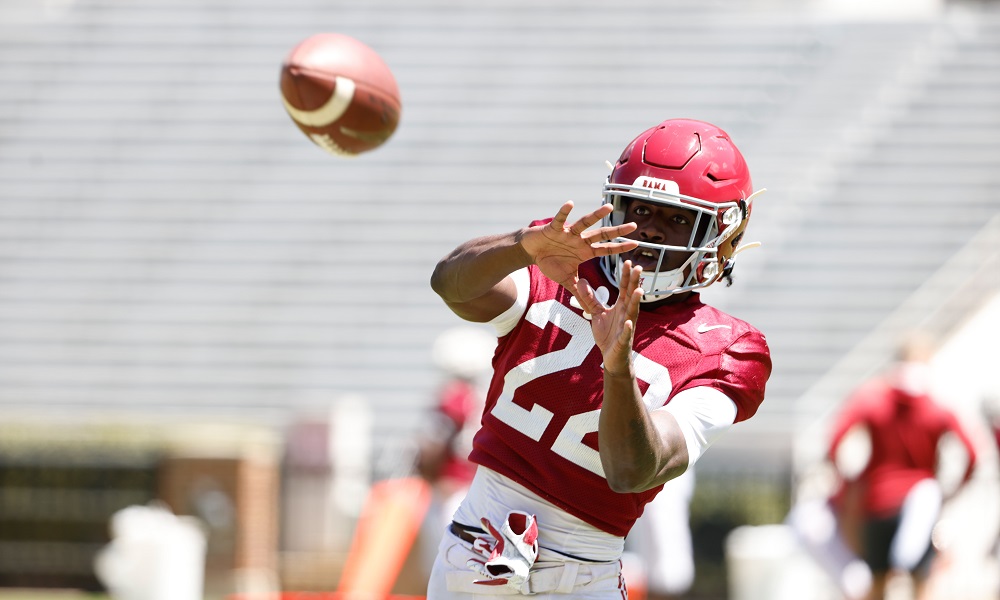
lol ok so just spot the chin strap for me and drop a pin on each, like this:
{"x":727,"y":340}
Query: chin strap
{"x":749,"y":245}
{"x":754,"y":195}
{"x":727,"y":271}
{"x":746,"y":246}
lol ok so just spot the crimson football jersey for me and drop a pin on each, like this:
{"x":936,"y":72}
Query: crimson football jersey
{"x":540,"y":422}
{"x":904,"y":431}
{"x":460,"y":405}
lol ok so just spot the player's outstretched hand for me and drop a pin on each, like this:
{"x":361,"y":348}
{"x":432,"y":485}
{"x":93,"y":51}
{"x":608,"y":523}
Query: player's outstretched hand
{"x":558,"y":248}
{"x":614,"y":325}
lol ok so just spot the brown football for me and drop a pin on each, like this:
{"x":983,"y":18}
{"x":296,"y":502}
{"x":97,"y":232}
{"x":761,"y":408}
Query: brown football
{"x":340,"y":93}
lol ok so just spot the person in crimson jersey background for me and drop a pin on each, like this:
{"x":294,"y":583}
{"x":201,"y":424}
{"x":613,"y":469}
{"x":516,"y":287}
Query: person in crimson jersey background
{"x":611,"y":377}
{"x":898,"y":496}
{"x":462,"y":355}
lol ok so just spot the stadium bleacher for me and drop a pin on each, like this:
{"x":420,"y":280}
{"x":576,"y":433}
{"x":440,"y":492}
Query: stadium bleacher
{"x":171,"y":246}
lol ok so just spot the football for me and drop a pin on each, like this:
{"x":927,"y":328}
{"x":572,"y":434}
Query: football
{"x":340,"y":93}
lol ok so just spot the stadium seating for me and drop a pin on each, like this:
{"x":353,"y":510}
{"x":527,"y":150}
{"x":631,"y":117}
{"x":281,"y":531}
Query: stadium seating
{"x":170,"y":244}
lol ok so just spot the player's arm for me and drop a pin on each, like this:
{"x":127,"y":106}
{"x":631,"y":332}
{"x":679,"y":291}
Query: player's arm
{"x":473,"y":280}
{"x":648,"y":448}
{"x":966,"y":440}
{"x":642,"y":449}
{"x":639,"y":449}
{"x":850,"y":419}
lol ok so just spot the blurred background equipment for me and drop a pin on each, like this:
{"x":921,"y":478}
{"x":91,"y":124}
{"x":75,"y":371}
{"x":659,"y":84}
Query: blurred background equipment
{"x":153,"y":555}
{"x":169,"y":250}
{"x":74,"y":495}
{"x":340,"y":93}
{"x":229,"y":477}
{"x":59,"y":488}
{"x":384,"y":538}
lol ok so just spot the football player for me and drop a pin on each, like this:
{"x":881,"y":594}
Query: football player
{"x":611,"y":377}
{"x":900,"y":495}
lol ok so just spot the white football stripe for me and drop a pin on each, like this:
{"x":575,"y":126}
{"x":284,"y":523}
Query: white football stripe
{"x":343,"y":93}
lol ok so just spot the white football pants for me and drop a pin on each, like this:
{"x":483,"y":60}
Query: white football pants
{"x":917,"y":518}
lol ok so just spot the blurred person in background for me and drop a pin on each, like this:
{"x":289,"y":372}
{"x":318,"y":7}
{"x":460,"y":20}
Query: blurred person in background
{"x":661,"y":539}
{"x":898,"y":495}
{"x":611,"y":377}
{"x":462,"y":355}
{"x":991,"y":412}
{"x":825,"y":518}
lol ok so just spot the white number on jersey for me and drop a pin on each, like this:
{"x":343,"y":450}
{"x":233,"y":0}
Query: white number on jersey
{"x":533,"y":423}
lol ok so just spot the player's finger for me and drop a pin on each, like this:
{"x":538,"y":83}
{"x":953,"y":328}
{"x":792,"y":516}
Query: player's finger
{"x":590,"y":219}
{"x":625,"y":286}
{"x":585,"y":295}
{"x":559,"y":221}
{"x":608,"y":248}
{"x":633,"y":307}
{"x":634,"y":293}
{"x":635,"y":276}
{"x":625,"y":337}
{"x":610,"y":233}
{"x":624,"y":229}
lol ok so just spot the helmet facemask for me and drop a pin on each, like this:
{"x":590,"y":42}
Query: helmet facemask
{"x":708,"y":251}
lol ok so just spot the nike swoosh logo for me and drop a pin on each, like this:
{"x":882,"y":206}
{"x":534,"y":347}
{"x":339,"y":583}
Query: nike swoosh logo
{"x":705,"y":327}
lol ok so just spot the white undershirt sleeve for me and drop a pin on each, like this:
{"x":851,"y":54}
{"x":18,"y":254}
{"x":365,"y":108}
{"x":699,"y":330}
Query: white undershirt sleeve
{"x":505,"y":322}
{"x":703,"y":414}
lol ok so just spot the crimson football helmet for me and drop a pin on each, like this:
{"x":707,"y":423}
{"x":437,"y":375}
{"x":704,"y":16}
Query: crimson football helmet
{"x":692,"y":165}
